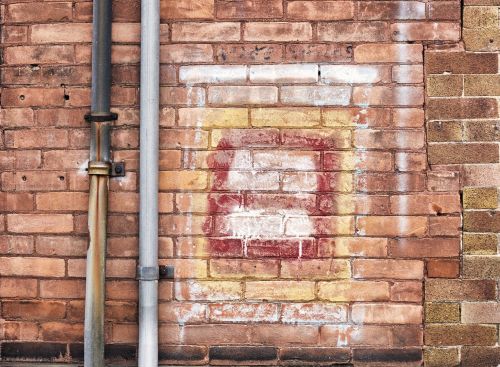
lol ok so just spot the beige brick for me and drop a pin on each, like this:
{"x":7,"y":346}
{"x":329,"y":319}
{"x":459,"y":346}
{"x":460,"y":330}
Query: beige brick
{"x":285,"y":117}
{"x":444,"y":85}
{"x":480,"y":198}
{"x":243,"y":95}
{"x":213,"y":117}
{"x":480,"y":17}
{"x":442,"y":312}
{"x":284,"y":73}
{"x":279,"y":32}
{"x":280,"y":290}
{"x":183,"y":180}
{"x":212,"y":74}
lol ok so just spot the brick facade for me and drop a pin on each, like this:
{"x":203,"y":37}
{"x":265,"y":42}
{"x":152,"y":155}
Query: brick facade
{"x":318,"y":159}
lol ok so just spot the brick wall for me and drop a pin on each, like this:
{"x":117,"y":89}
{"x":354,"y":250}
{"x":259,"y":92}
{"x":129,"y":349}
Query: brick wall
{"x":462,"y":314}
{"x":297,"y":202}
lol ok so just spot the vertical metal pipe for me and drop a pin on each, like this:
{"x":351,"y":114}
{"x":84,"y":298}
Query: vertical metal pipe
{"x":99,"y":168}
{"x":148,"y":215}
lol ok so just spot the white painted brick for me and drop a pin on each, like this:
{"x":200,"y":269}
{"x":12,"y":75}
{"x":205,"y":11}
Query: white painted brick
{"x":214,"y":74}
{"x":243,"y":95}
{"x":287,"y":73}
{"x":316,"y":96}
{"x":354,"y":74}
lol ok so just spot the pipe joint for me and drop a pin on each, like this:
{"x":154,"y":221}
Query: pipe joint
{"x":98,"y":168}
{"x":148,"y":273}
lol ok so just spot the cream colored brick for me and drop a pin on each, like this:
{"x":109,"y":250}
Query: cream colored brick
{"x":285,"y":117}
{"x":213,"y":117}
{"x":214,"y":74}
{"x":183,"y":180}
{"x":284,"y":73}
{"x":280,"y":290}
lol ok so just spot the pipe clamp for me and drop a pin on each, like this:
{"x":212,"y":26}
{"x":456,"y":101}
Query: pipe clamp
{"x":99,"y":168}
{"x":148,"y":273}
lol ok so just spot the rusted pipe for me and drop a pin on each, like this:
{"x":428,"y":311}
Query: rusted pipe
{"x":99,"y":169}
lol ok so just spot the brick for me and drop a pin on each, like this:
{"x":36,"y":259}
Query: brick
{"x":453,"y":334}
{"x":347,"y":247}
{"x":229,"y":9}
{"x":282,"y":335}
{"x":354,"y":74}
{"x":243,"y":313}
{"x":412,"y":74}
{"x":127,"y":290}
{"x":480,"y":198}
{"x":444,"y":10}
{"x":392,"y":269}
{"x":218,"y":334}
{"x":172,"y":138}
{"x":361,"y":160}
{"x":25,"y":223}
{"x":320,"y":10}
{"x":18,"y":288}
{"x":174,"y":353}
{"x":480,"y":244}
{"x":243,"y":95}
{"x":182,"y":312}
{"x":35,"y":97}
{"x":238,"y":269}
{"x":394,"y":96}
{"x":442,"y":312}
{"x":481,"y":131}
{"x":480,"y":175}
{"x":391,"y":10}
{"x":388,"y":355}
{"x":62,"y":201}
{"x":480,"y":313}
{"x":482,"y":85}
{"x":389,"y":139}
{"x":480,"y":17}
{"x":319,"y":52}
{"x":345,"y":117}
{"x":442,"y":131}
{"x":316,"y":95}
{"x":398,"y":53}
{"x":33,"y":350}
{"x":42,"y":267}
{"x":463,"y":153}
{"x":305,"y":202}
{"x":348,"y":204}
{"x":38,"y":12}
{"x":459,"y":290}
{"x":219,"y":74}
{"x":425,"y":204}
{"x":183,"y":180}
{"x":61,"y":33}
{"x":181,"y":53}
{"x":461,"y":63}
{"x":441,"y":357}
{"x":416,"y":31}
{"x":285,"y":117}
{"x":353,"y":32}
{"x":280,"y":290}
{"x":235,"y":138}
{"x":480,"y":356}
{"x":386,"y":314}
{"x":16,"y":245}
{"x":484,"y":267}
{"x":186,"y":9}
{"x":277,"y":32}
{"x":313,"y":313}
{"x":182,"y":32}
{"x":61,"y":54}
{"x":213,"y":117}
{"x":228,"y":354}
{"x":249,"y":53}
{"x":15,"y":34}
{"x":428,"y":247}
{"x":445,"y":226}
{"x":261,"y":181}
{"x":285,"y":73}
{"x":59,"y":331}
{"x":392,"y":226}
{"x":481,"y":221}
{"x":443,"y":268}
{"x":16,"y":202}
{"x":348,"y":290}
{"x":286,"y":160}
{"x":445,"y":85}
{"x":281,"y":248}
{"x":208,"y":291}
{"x":410,"y":291}
{"x":314,"y":355}
{"x":487,"y":39}
{"x":33,"y":310}
{"x":442,"y":181}
{"x":315,"y":269}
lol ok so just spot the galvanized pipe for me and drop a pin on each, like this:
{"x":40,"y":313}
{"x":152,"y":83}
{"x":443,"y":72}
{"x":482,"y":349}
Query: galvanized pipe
{"x":99,"y":170}
{"x":148,"y":214}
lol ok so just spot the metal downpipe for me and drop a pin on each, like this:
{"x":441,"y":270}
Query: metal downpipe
{"x":148,"y":213}
{"x":99,"y":167}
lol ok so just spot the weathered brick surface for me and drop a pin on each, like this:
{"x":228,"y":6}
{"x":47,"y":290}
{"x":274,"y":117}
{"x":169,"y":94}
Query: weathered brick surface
{"x":308,"y":201}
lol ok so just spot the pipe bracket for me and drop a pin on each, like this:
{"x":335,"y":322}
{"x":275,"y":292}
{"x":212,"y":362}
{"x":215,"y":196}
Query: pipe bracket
{"x":148,"y":273}
{"x":100,"y":117}
{"x":98,"y":168}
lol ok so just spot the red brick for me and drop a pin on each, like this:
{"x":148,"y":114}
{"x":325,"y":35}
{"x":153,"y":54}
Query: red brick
{"x":186,"y":9}
{"x":206,"y":32}
{"x":37,"y":97}
{"x":392,"y":226}
{"x":353,"y":32}
{"x":425,"y":204}
{"x":349,"y":290}
{"x":61,"y":246}
{"x":60,"y":331}
{"x":402,"y":53}
{"x":391,"y":10}
{"x":182,"y":312}
{"x":444,"y":10}
{"x":34,"y":266}
{"x":386,"y":314}
{"x":284,"y":334}
{"x":278,"y":32}
{"x":13,"y":202}
{"x":320,"y":10}
{"x":67,"y":289}
{"x":33,"y":310}
{"x":428,"y":247}
{"x":389,"y":139}
{"x":380,"y":182}
{"x":462,"y":108}
{"x":38,"y":12}
{"x":318,"y":52}
{"x":15,"y":34}
{"x":249,"y":53}
{"x":123,"y":290}
{"x":217,"y":334}
{"x":40,"y":223}
{"x":314,"y":313}
{"x":18,"y":288}
{"x":443,"y":268}
{"x":445,"y":226}
{"x":394,"y":96}
{"x":315,"y":269}
{"x":208,"y":290}
{"x":407,"y":292}
{"x":461,"y":63}
{"x":352,"y":246}
{"x":241,"y":9}
{"x":425,"y":31}
{"x":16,"y":245}
{"x":19,"y":330}
{"x":392,"y":269}
{"x":237,"y":269}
